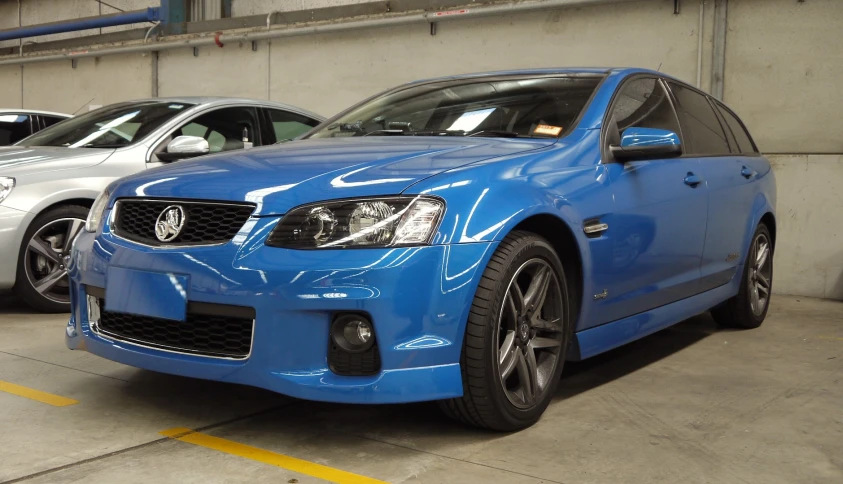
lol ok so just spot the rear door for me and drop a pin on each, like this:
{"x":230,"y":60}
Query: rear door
{"x":650,"y":253}
{"x":733,"y":184}
{"x":729,"y":204}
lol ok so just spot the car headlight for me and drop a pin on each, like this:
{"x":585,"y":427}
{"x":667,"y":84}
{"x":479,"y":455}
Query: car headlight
{"x":6,"y":185}
{"x":370,"y":222}
{"x":97,"y":211}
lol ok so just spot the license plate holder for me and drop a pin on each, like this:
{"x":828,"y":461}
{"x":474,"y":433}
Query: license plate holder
{"x":144,"y":293}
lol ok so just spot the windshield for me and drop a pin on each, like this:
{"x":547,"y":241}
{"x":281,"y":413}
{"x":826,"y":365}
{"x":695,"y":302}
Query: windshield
{"x":109,"y":127}
{"x":514,"y":107}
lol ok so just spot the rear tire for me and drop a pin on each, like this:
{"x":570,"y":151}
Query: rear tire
{"x":516,"y":338}
{"x":41,"y":280}
{"x":748,"y":309}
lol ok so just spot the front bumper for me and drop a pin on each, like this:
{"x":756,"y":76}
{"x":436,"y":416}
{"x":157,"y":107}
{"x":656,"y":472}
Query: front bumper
{"x":13,"y":224}
{"x":418,"y":299}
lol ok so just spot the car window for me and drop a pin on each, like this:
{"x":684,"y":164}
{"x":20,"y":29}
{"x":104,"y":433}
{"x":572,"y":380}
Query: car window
{"x":13,"y":128}
{"x":703,"y":133}
{"x":287,"y":125}
{"x":223,"y":128}
{"x":644,"y":103}
{"x":742,"y":138}
{"x":51,"y":120}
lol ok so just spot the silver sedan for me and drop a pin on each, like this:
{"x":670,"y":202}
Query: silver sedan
{"x":49,"y":180}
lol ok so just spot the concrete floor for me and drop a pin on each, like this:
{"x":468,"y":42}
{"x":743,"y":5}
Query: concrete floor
{"x":689,"y":404}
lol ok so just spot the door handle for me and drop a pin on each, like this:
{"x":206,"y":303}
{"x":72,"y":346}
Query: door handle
{"x":692,"y":180}
{"x":747,"y":173}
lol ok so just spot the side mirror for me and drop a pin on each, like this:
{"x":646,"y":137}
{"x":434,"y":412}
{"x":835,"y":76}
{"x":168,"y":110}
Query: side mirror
{"x":185,"y":147}
{"x":646,"y":144}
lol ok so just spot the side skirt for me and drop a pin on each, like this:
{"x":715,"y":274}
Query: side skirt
{"x":593,"y":341}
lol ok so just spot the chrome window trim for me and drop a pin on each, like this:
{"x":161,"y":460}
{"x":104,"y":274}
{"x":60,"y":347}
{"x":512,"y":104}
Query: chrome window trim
{"x":116,"y":207}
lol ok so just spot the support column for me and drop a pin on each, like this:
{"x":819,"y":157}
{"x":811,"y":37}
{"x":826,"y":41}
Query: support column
{"x":718,"y":60}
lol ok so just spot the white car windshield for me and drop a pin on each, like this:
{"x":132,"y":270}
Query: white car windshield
{"x":109,"y":127}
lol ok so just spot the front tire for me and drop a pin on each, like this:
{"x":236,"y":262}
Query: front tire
{"x":41,"y":280}
{"x":516,"y":338}
{"x":748,"y":309}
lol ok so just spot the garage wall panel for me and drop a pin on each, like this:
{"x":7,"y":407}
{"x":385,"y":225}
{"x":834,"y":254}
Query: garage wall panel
{"x":8,"y":20}
{"x":784,"y":62}
{"x":809,"y":245}
{"x":55,"y":86}
{"x":328,"y":72}
{"x":234,"y":70}
{"x":10,"y":87}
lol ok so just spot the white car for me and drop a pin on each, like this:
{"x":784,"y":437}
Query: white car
{"x":17,"y":124}
{"x":49,"y":180}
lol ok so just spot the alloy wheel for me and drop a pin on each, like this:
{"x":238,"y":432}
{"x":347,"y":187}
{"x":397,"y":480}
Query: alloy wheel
{"x":530,"y":333}
{"x":47,"y":256}
{"x":761,"y":274}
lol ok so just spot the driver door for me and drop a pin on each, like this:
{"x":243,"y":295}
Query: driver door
{"x":224,"y":129}
{"x":650,"y":253}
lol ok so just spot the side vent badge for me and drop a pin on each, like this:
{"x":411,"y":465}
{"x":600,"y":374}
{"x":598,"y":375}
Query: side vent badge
{"x":593,"y":228}
{"x":602,"y":295}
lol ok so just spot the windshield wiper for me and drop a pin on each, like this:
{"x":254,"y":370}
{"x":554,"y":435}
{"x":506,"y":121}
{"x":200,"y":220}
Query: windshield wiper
{"x":494,"y":133}
{"x":401,"y":132}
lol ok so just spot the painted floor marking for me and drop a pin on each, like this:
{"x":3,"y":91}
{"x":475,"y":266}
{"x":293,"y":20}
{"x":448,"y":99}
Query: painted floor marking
{"x":279,"y":460}
{"x":36,"y":395}
{"x":833,"y":338}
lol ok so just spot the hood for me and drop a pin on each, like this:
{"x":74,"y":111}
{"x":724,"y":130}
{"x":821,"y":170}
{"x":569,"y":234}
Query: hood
{"x":278,"y":178}
{"x":22,"y":160}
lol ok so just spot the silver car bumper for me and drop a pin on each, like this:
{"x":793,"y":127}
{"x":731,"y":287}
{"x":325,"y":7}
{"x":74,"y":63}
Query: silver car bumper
{"x":13,"y":224}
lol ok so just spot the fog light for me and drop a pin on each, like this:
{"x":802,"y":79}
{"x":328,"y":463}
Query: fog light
{"x":353,"y":333}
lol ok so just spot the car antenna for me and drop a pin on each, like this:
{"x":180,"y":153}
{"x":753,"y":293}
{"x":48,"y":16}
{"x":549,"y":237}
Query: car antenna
{"x":660,"y":67}
{"x":82,"y":106}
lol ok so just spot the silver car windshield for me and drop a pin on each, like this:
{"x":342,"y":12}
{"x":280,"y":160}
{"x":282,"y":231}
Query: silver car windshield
{"x":108,"y":127}
{"x":544,"y":107}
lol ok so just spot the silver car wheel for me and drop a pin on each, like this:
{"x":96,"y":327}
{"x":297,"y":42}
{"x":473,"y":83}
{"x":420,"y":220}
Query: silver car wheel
{"x":47,"y":255}
{"x":530,"y":333}
{"x":760,"y":275}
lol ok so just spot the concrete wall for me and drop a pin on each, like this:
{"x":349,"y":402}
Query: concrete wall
{"x":784,"y":60}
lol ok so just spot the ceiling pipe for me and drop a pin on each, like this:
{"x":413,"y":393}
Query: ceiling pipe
{"x":263,"y":34}
{"x":85,"y":23}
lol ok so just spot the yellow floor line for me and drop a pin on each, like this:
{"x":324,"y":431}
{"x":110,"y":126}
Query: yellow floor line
{"x":36,"y":395}
{"x":279,"y":460}
{"x":835,"y":338}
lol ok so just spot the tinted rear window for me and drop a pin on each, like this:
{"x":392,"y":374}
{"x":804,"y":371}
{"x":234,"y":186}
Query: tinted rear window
{"x":745,"y":144}
{"x":703,"y":134}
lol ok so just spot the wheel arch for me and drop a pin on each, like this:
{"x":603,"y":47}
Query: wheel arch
{"x":769,"y":220}
{"x":564,"y":242}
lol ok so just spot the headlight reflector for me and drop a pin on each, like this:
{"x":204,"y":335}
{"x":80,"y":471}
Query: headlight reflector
{"x":92,"y":224}
{"x":6,"y":185}
{"x":374,"y":222}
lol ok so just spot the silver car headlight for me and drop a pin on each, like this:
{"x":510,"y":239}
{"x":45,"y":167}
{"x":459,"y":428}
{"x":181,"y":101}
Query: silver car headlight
{"x":6,"y":185}
{"x":369,"y":222}
{"x":97,"y":210}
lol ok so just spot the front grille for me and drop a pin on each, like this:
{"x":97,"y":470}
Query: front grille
{"x":220,"y":335}
{"x":205,"y":223}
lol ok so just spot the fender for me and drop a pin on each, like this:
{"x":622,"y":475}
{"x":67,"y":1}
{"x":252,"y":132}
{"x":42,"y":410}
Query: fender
{"x":762,"y":204}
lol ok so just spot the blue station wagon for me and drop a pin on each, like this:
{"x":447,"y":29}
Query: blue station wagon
{"x":455,"y":239}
